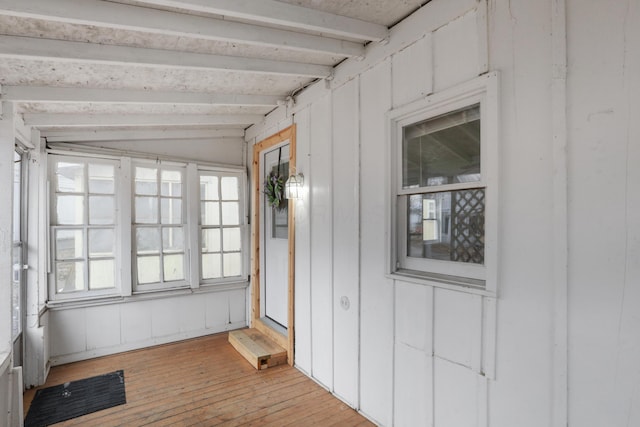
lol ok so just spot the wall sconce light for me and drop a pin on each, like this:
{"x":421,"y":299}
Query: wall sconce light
{"x":293,"y":187}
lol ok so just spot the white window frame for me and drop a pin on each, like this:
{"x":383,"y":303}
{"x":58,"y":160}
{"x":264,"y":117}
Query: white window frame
{"x":482,"y":90}
{"x":19,"y":246}
{"x":186,"y":225}
{"x":125,"y":252}
{"x":220,"y":173}
{"x":53,"y":226}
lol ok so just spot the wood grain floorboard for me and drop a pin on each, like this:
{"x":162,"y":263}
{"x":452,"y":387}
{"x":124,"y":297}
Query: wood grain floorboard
{"x":204,"y":382}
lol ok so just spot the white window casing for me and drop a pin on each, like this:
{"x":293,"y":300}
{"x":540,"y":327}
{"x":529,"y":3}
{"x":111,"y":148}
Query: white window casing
{"x":85,"y":229}
{"x":223,"y":261}
{"x":165,"y":230}
{"x":482,"y":275}
{"x":160,"y":237}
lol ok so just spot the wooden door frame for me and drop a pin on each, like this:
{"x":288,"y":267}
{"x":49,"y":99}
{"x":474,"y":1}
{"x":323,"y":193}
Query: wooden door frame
{"x":256,"y":322}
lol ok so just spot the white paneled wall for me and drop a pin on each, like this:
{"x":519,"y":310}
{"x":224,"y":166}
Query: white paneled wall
{"x":303,"y":237}
{"x":87,"y":332}
{"x":455,"y":52}
{"x":376,"y":291}
{"x":412,"y":64}
{"x":604,"y":239}
{"x":346,"y":234}
{"x":438,"y":356}
{"x":321,"y":244}
{"x":384,"y":347}
{"x":413,"y":379}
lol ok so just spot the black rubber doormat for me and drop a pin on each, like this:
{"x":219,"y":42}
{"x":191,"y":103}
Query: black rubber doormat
{"x":70,"y":400}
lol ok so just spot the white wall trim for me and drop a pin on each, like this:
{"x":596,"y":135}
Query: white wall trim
{"x":560,"y":385}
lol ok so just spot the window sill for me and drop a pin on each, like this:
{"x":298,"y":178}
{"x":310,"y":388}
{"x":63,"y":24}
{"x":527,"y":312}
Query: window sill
{"x":454,"y":283}
{"x":143,"y":296}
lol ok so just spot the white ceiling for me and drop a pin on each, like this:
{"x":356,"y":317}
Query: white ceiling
{"x":199,"y":65}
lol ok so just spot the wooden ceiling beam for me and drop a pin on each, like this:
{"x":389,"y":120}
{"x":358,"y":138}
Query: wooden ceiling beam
{"x":101,"y":135}
{"x":46,"y":94}
{"x":58,"y":50}
{"x":289,"y":15}
{"x":58,"y":120}
{"x":135,"y":18}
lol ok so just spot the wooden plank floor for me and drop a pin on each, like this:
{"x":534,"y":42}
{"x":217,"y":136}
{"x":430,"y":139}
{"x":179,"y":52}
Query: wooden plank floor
{"x":205,"y":382}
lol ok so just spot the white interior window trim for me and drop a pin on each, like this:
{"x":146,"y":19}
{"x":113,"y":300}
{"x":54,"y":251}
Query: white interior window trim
{"x":160,"y":233}
{"x":125,"y":252}
{"x":482,"y":277}
{"x":82,"y":231}
{"x":222,"y":244}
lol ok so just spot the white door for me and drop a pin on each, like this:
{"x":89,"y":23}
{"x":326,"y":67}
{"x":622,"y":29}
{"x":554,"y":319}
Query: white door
{"x":275,"y":243}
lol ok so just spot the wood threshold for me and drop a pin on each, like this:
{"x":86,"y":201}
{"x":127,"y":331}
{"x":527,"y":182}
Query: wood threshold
{"x":204,"y":381}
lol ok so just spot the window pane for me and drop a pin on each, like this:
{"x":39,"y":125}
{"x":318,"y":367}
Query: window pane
{"x":230,"y":213}
{"x":146,"y":210}
{"x":232,"y":265}
{"x":69,"y":276}
{"x":280,"y":222}
{"x":69,"y":210}
{"x":208,"y":188}
{"x":211,"y":240}
{"x":147,"y":240}
{"x":70,"y":177}
{"x":210,"y":213}
{"x":17,"y":190}
{"x":442,"y":150}
{"x":172,"y":239}
{"x":101,"y":274}
{"x":148,"y":269}
{"x":231,"y":239}
{"x":447,"y":226}
{"x":171,"y":184}
{"x":101,"y":242}
{"x":229,"y":186}
{"x":211,"y":266}
{"x":101,"y":210}
{"x":101,"y":179}
{"x":173,"y":267}
{"x":16,"y":293}
{"x":171,"y":211}
{"x":69,"y":244}
{"x":146,"y":181}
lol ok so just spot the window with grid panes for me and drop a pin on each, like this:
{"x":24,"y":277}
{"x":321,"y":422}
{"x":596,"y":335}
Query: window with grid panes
{"x":159,"y":227}
{"x":220,"y":227}
{"x":83,"y":227}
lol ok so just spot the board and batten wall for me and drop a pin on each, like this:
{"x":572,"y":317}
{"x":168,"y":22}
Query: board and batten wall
{"x":604,"y":212}
{"x":558,"y":345}
{"x":91,"y":330}
{"x":404,"y":354}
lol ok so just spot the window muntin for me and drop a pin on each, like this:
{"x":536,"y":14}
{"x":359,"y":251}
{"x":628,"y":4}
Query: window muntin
{"x":83,"y":226}
{"x":159,"y":227}
{"x":221,"y":234}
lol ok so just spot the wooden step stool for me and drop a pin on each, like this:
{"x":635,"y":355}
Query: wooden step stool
{"x":257,"y":348}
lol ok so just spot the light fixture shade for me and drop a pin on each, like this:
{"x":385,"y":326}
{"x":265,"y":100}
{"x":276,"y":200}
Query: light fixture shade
{"x":293,"y":187}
